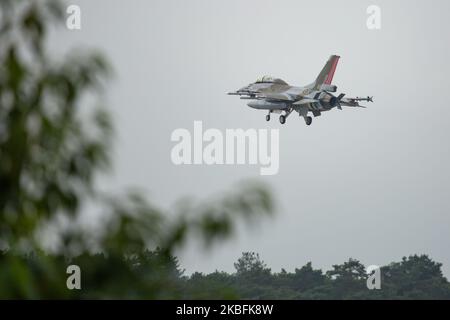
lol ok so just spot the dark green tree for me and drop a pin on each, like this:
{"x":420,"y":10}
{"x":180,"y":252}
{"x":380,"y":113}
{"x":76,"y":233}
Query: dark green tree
{"x":307,"y":278}
{"x":415,"y":277}
{"x":250,"y":263}
{"x":252,"y":276}
{"x":348,"y":278}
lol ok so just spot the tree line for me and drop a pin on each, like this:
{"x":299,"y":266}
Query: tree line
{"x":156,"y":275}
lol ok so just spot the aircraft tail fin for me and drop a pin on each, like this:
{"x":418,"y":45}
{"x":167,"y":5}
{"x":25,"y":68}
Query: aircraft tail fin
{"x":326,"y":75}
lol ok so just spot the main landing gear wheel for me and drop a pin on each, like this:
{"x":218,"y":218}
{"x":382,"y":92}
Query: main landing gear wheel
{"x":268,"y":117}
{"x":308,"y":121}
{"x":282,"y":119}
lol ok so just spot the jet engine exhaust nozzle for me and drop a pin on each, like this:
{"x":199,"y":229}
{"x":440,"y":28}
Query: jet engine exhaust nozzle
{"x":333,"y":102}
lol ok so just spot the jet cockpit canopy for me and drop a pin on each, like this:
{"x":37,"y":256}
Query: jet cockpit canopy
{"x":269,"y":79}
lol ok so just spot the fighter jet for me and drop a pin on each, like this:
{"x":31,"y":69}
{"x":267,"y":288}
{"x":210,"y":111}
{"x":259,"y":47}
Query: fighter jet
{"x":276,"y":96}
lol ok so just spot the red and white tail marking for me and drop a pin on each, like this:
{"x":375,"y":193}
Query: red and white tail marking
{"x":330,"y":75}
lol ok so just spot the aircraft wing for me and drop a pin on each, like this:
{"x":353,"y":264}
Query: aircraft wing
{"x":305,"y":101}
{"x":276,"y":96}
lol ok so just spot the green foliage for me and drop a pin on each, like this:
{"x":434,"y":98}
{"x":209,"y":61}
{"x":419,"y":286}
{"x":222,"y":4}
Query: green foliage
{"x":52,"y":146}
{"x":347,"y":278}
{"x":250,"y":263}
{"x":156,"y":275}
{"x":416,"y":277}
{"x":48,"y":159}
{"x":216,"y":285}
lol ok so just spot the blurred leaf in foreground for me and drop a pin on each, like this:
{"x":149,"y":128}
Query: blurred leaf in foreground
{"x":50,"y":153}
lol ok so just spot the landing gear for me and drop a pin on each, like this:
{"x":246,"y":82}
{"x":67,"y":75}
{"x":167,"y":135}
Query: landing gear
{"x":284,"y":116}
{"x":268,"y":117}
{"x":308,"y":121}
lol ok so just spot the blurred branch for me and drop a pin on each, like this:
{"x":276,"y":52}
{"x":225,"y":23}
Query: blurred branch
{"x":49,"y":157}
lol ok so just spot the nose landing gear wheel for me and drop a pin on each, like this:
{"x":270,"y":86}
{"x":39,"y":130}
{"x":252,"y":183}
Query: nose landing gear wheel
{"x":308,"y":121}
{"x":282,"y":119}
{"x":268,"y":117}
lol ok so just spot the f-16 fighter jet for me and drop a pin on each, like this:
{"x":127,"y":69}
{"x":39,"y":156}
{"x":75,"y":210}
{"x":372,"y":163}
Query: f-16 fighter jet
{"x":276,"y":96}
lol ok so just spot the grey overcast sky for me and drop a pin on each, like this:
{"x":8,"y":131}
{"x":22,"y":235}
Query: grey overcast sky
{"x":371,"y":184}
